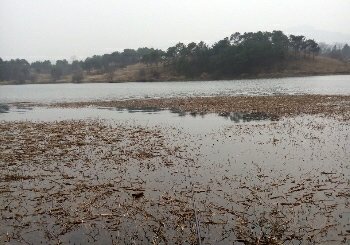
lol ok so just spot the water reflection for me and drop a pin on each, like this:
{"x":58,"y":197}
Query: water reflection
{"x":178,"y":112}
{"x":4,"y":108}
{"x":21,"y":108}
{"x":17,"y":108}
{"x":173,"y":116}
{"x":238,"y":117}
{"x":149,"y":110}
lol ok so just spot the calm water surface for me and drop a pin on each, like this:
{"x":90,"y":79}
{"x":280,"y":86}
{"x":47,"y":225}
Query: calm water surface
{"x":108,"y":91}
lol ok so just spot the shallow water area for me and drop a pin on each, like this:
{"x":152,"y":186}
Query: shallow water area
{"x":193,"y":122}
{"x":108,"y":175}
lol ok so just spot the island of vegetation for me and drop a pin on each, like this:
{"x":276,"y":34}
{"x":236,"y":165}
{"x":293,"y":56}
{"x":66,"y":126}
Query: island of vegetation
{"x":248,"y":55}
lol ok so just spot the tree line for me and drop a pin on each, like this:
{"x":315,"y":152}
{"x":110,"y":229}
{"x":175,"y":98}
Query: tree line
{"x":238,"y":54}
{"x":21,"y":70}
{"x":246,"y":53}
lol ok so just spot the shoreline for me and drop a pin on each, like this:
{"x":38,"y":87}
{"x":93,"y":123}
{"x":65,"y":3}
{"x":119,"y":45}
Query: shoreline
{"x":181,"y":79}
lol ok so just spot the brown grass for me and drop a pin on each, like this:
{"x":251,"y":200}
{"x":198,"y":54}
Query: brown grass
{"x":319,"y":66}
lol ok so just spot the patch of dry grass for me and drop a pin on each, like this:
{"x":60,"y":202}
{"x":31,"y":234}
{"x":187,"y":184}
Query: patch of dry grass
{"x":319,"y":65}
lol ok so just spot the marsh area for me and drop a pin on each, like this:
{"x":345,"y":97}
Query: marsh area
{"x":266,"y":162}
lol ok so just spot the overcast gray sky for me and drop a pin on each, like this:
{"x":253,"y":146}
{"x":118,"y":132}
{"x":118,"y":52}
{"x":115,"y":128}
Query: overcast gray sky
{"x":54,"y":29}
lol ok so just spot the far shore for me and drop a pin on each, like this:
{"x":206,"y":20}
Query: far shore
{"x":139,"y":72}
{"x":182,"y":79}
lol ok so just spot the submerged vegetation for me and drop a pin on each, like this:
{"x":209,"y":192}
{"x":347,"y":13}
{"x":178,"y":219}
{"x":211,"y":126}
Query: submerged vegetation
{"x":240,"y":54}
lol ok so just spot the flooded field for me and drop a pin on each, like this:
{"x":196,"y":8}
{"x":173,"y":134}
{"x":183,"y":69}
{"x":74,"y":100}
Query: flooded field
{"x":199,"y":171}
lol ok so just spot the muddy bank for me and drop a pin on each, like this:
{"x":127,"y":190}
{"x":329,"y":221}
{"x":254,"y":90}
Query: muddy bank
{"x":286,"y":105}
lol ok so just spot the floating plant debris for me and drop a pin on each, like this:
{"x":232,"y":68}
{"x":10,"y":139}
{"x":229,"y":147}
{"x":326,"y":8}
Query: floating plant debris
{"x":271,"y":106}
{"x":284,"y":181}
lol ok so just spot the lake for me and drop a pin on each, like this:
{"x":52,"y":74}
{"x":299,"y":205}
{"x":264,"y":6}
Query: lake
{"x":107,"y":91}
